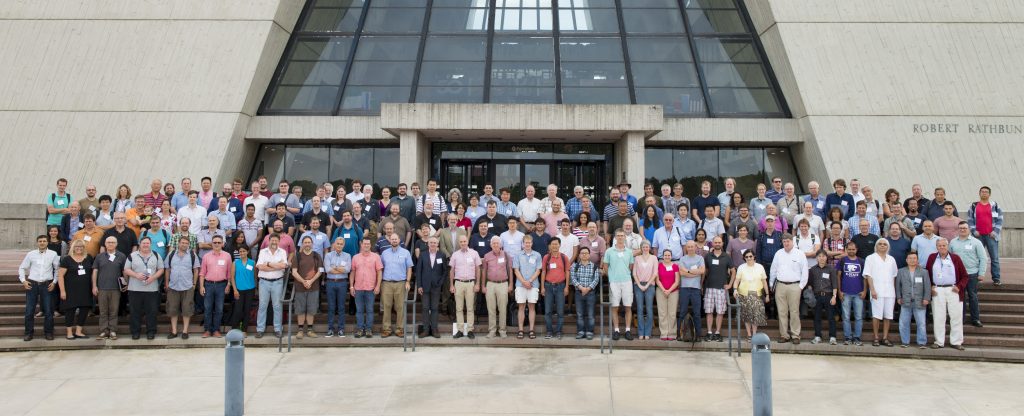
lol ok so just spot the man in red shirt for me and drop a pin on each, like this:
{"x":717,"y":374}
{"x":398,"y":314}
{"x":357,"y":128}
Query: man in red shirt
{"x":214,"y":284}
{"x":986,"y":221}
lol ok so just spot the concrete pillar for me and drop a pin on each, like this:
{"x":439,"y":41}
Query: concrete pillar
{"x":413,"y":157}
{"x":629,"y":161}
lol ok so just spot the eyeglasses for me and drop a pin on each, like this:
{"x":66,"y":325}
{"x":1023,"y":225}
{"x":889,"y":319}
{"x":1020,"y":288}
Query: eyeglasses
{"x":217,"y":242}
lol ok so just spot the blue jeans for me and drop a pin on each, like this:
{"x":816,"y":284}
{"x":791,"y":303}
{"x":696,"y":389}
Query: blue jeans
{"x":585,"y":311}
{"x":554,"y":302}
{"x":270,"y":293}
{"x":364,"y":310}
{"x":922,"y":331}
{"x":337,"y":294}
{"x":38,"y":293}
{"x":644,"y":309}
{"x":854,"y":302}
{"x":213,"y":303}
{"x":690,"y":296}
{"x":992,"y":247}
{"x":971,"y":299}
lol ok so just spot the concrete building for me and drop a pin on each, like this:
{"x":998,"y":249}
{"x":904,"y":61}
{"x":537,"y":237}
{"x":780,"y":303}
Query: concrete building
{"x":589,"y":92}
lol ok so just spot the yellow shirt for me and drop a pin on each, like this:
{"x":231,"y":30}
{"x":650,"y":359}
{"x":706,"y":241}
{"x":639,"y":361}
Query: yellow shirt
{"x":751,"y":278}
{"x":92,"y":240}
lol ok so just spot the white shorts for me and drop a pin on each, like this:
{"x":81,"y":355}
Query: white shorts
{"x":622,"y":293}
{"x":524,"y":295}
{"x":881,"y":308}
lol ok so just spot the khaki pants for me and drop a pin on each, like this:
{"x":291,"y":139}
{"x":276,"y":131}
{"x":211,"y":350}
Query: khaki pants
{"x":465,"y":300}
{"x":497,"y":306}
{"x":392,"y":297}
{"x":667,"y":306}
{"x":787,"y":300}
{"x":109,"y":301}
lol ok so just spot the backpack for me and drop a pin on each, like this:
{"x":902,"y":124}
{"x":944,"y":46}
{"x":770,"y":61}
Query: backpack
{"x":53,"y":199}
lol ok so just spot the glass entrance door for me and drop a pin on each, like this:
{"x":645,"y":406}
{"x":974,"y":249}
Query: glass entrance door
{"x":516,"y":175}
{"x":589,"y":175}
{"x":467,"y":176}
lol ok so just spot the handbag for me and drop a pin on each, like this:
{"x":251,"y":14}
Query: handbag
{"x":809,"y":298}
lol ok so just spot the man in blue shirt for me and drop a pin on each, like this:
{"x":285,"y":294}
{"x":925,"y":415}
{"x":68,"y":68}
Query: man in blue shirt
{"x":349,"y":231}
{"x":321,"y":242}
{"x":705,"y":199}
{"x":395,"y":286}
{"x":816,"y":198}
{"x":862,"y":209}
{"x":776,"y":193}
{"x":337,"y":264}
{"x":668,"y":238}
{"x":899,"y":246}
{"x":768,"y":243}
{"x":840,"y":199}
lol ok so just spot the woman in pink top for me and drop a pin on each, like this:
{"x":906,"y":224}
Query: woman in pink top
{"x":668,"y":296}
{"x":645,"y":269}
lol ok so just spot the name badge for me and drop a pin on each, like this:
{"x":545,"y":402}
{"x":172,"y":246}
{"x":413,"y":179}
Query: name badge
{"x":337,"y":207}
{"x":346,"y":236}
{"x":159,"y":243}
{"x":743,"y":251}
{"x":366,"y":208}
{"x":619,"y":254}
{"x":220,"y":262}
{"x":60,"y":202}
{"x":232,"y":209}
{"x":968,"y":246}
{"x":714,"y":262}
{"x":89,"y":238}
{"x":844,"y":203}
{"x":761,"y":206}
{"x":917,"y":220}
{"x":490,"y":225}
{"x":553,"y":266}
{"x":433,"y":221}
{"x":821,"y":204}
{"x":995,"y":214}
{"x":111,"y":257}
{"x":674,"y":238}
{"x":438,"y":261}
{"x":81,"y":225}
{"x":785,"y":210}
{"x":480,"y":244}
{"x":770,"y":241}
{"x":694,"y":267}
{"x":501,"y":260}
{"x":532,"y":261}
{"x":469,"y":261}
{"x":81,"y":272}
{"x":320,"y":269}
{"x":594,"y":244}
{"x":918,"y":280}
{"x":319,"y":236}
{"x":248,"y":267}
{"x":106,"y":217}
{"x":149,"y":271}
{"x":825,"y":276}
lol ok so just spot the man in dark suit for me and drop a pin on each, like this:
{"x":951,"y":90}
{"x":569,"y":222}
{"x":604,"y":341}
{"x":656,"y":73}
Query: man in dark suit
{"x":431,"y":272}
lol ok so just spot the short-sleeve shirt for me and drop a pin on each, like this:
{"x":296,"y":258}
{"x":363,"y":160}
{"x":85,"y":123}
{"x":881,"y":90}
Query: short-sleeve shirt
{"x":718,"y":270}
{"x":852,"y":275}
{"x":528,"y":263}
{"x":58,"y":202}
{"x":883,"y":274}
{"x":364,"y":270}
{"x":307,"y":265}
{"x":144,"y":264}
{"x":182,"y":267}
{"x":497,"y":266}
{"x":924,"y":246}
{"x":618,"y":262}
{"x":464,"y":264}
{"x":691,"y":263}
{"x":334,"y":259}
{"x":215,"y":266}
{"x":555,"y":267}
{"x":396,"y":262}
{"x":109,"y":271}
{"x":245,"y":274}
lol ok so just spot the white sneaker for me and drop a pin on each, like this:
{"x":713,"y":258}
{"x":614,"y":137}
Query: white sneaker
{"x":832,"y":341}
{"x":816,"y":340}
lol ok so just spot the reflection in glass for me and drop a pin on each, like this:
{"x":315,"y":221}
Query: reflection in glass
{"x":744,"y":165}
{"x":306,"y":164}
{"x":778,"y":161}
{"x":269,"y":163}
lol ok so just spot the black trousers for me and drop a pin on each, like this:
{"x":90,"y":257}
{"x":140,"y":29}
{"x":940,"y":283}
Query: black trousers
{"x":431,"y":305}
{"x":143,"y":304}
{"x":76,"y":316}
{"x":242,"y":309}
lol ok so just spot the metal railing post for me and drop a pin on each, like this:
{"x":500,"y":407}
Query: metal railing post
{"x":234,"y":374}
{"x":761,"y":374}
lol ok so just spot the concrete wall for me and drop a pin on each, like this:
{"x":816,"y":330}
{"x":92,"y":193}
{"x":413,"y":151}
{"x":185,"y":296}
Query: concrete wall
{"x":111,"y":92}
{"x":901,"y":92}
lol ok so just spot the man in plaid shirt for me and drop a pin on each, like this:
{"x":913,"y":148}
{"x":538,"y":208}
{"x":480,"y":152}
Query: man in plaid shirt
{"x":584,"y":277}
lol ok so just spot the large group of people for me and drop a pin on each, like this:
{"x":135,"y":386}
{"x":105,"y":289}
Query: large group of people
{"x":770,"y":251}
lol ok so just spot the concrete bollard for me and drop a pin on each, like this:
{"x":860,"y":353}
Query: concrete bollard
{"x":234,"y":374}
{"x":761,"y":374}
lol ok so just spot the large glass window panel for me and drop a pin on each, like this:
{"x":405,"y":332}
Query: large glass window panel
{"x":593,"y":74}
{"x":385,"y":169}
{"x":708,"y":4}
{"x":778,"y":161}
{"x":335,"y":48}
{"x":742,"y":100}
{"x":715,"y":21}
{"x":659,"y":49}
{"x":313,"y":73}
{"x":653,"y":21}
{"x":452,"y":74}
{"x":334,"y":16}
{"x":588,"y":20}
{"x":394,"y":20}
{"x":721,"y":50}
{"x":523,"y":15}
{"x":522,"y":95}
{"x":631,"y":4}
{"x":692,"y":166}
{"x":306,"y":164}
{"x":457,"y":20}
{"x":664,"y":74}
{"x":379,"y":73}
{"x":565,"y":4}
{"x":450,"y":94}
{"x":350,"y":163}
{"x":734,"y":75}
{"x":362,"y":98}
{"x":388,"y":48}
{"x":595,"y":95}
{"x":744,"y":165}
{"x":455,"y":48}
{"x":676,"y":101}
{"x":523,"y":73}
{"x":270,"y":163}
{"x":297,"y":98}
{"x":658,"y":168}
{"x":521,"y":48}
{"x":590,"y":49}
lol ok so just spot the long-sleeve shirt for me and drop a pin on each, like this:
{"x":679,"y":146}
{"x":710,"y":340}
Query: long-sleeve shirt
{"x":972,"y":252}
{"x":584,"y":275}
{"x":39,"y":266}
{"x":767,"y":245}
{"x":844,"y":202}
{"x":789,"y":267}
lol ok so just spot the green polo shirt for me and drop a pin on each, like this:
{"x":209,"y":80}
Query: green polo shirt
{"x":618,"y":264}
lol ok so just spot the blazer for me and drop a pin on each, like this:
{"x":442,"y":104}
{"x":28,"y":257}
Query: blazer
{"x":958,"y":265}
{"x":444,"y":240}
{"x":430,"y":275}
{"x":912,"y":291}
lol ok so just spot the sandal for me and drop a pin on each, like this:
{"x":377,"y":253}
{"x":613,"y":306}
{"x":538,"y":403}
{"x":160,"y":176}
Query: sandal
{"x":533,"y":335}
{"x":519,"y":335}
{"x":875,"y":343}
{"x":886,"y":343}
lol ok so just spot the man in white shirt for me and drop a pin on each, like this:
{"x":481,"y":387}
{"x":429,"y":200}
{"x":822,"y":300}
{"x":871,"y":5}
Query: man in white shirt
{"x":435,"y":198}
{"x":788,"y":278}
{"x":880,"y":276}
{"x":570,"y":243}
{"x":258,"y":201}
{"x":855,"y":190}
{"x":194,"y":212}
{"x":529,"y":207}
{"x":814,"y":223}
{"x":272,"y":263}
{"x":37,"y":274}
{"x":512,"y":240}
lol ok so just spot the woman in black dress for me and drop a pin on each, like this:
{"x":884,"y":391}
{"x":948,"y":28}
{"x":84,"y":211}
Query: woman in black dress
{"x":75,"y":276}
{"x":58,"y":246}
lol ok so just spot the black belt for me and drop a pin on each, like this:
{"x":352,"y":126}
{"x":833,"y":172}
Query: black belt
{"x":337,"y":280}
{"x":270,"y":280}
{"x":822,"y":293}
{"x":944,"y":285}
{"x":787,"y":283}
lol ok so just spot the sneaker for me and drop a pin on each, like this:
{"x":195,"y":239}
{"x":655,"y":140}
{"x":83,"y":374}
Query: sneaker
{"x":491,"y":334}
{"x":341,"y":333}
{"x":470,"y":335}
{"x":922,"y":347}
{"x":697,"y":339}
{"x":977,"y":324}
{"x":708,"y":337}
{"x":815,"y":340}
{"x":796,"y":341}
{"x":311,"y":334}
{"x":629,"y":335}
{"x":832,"y":341}
{"x":858,"y":342}
{"x":615,"y":336}
{"x":359,"y":334}
{"x":299,"y":334}
{"x":997,"y":282}
{"x":113,"y":336}
{"x":904,"y":345}
{"x":503,"y":334}
{"x":718,"y":337}
{"x":958,"y":347}
{"x":548,"y":335}
{"x":846,"y":341}
{"x":368,"y":333}
{"x":259,"y":335}
{"x":330,"y":333}
{"x":783,"y":340}
{"x":103,"y":335}
{"x":581,"y":335}
{"x":458,"y":335}
{"x":278,"y":334}
{"x":558,"y":335}
{"x":590,"y":335}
